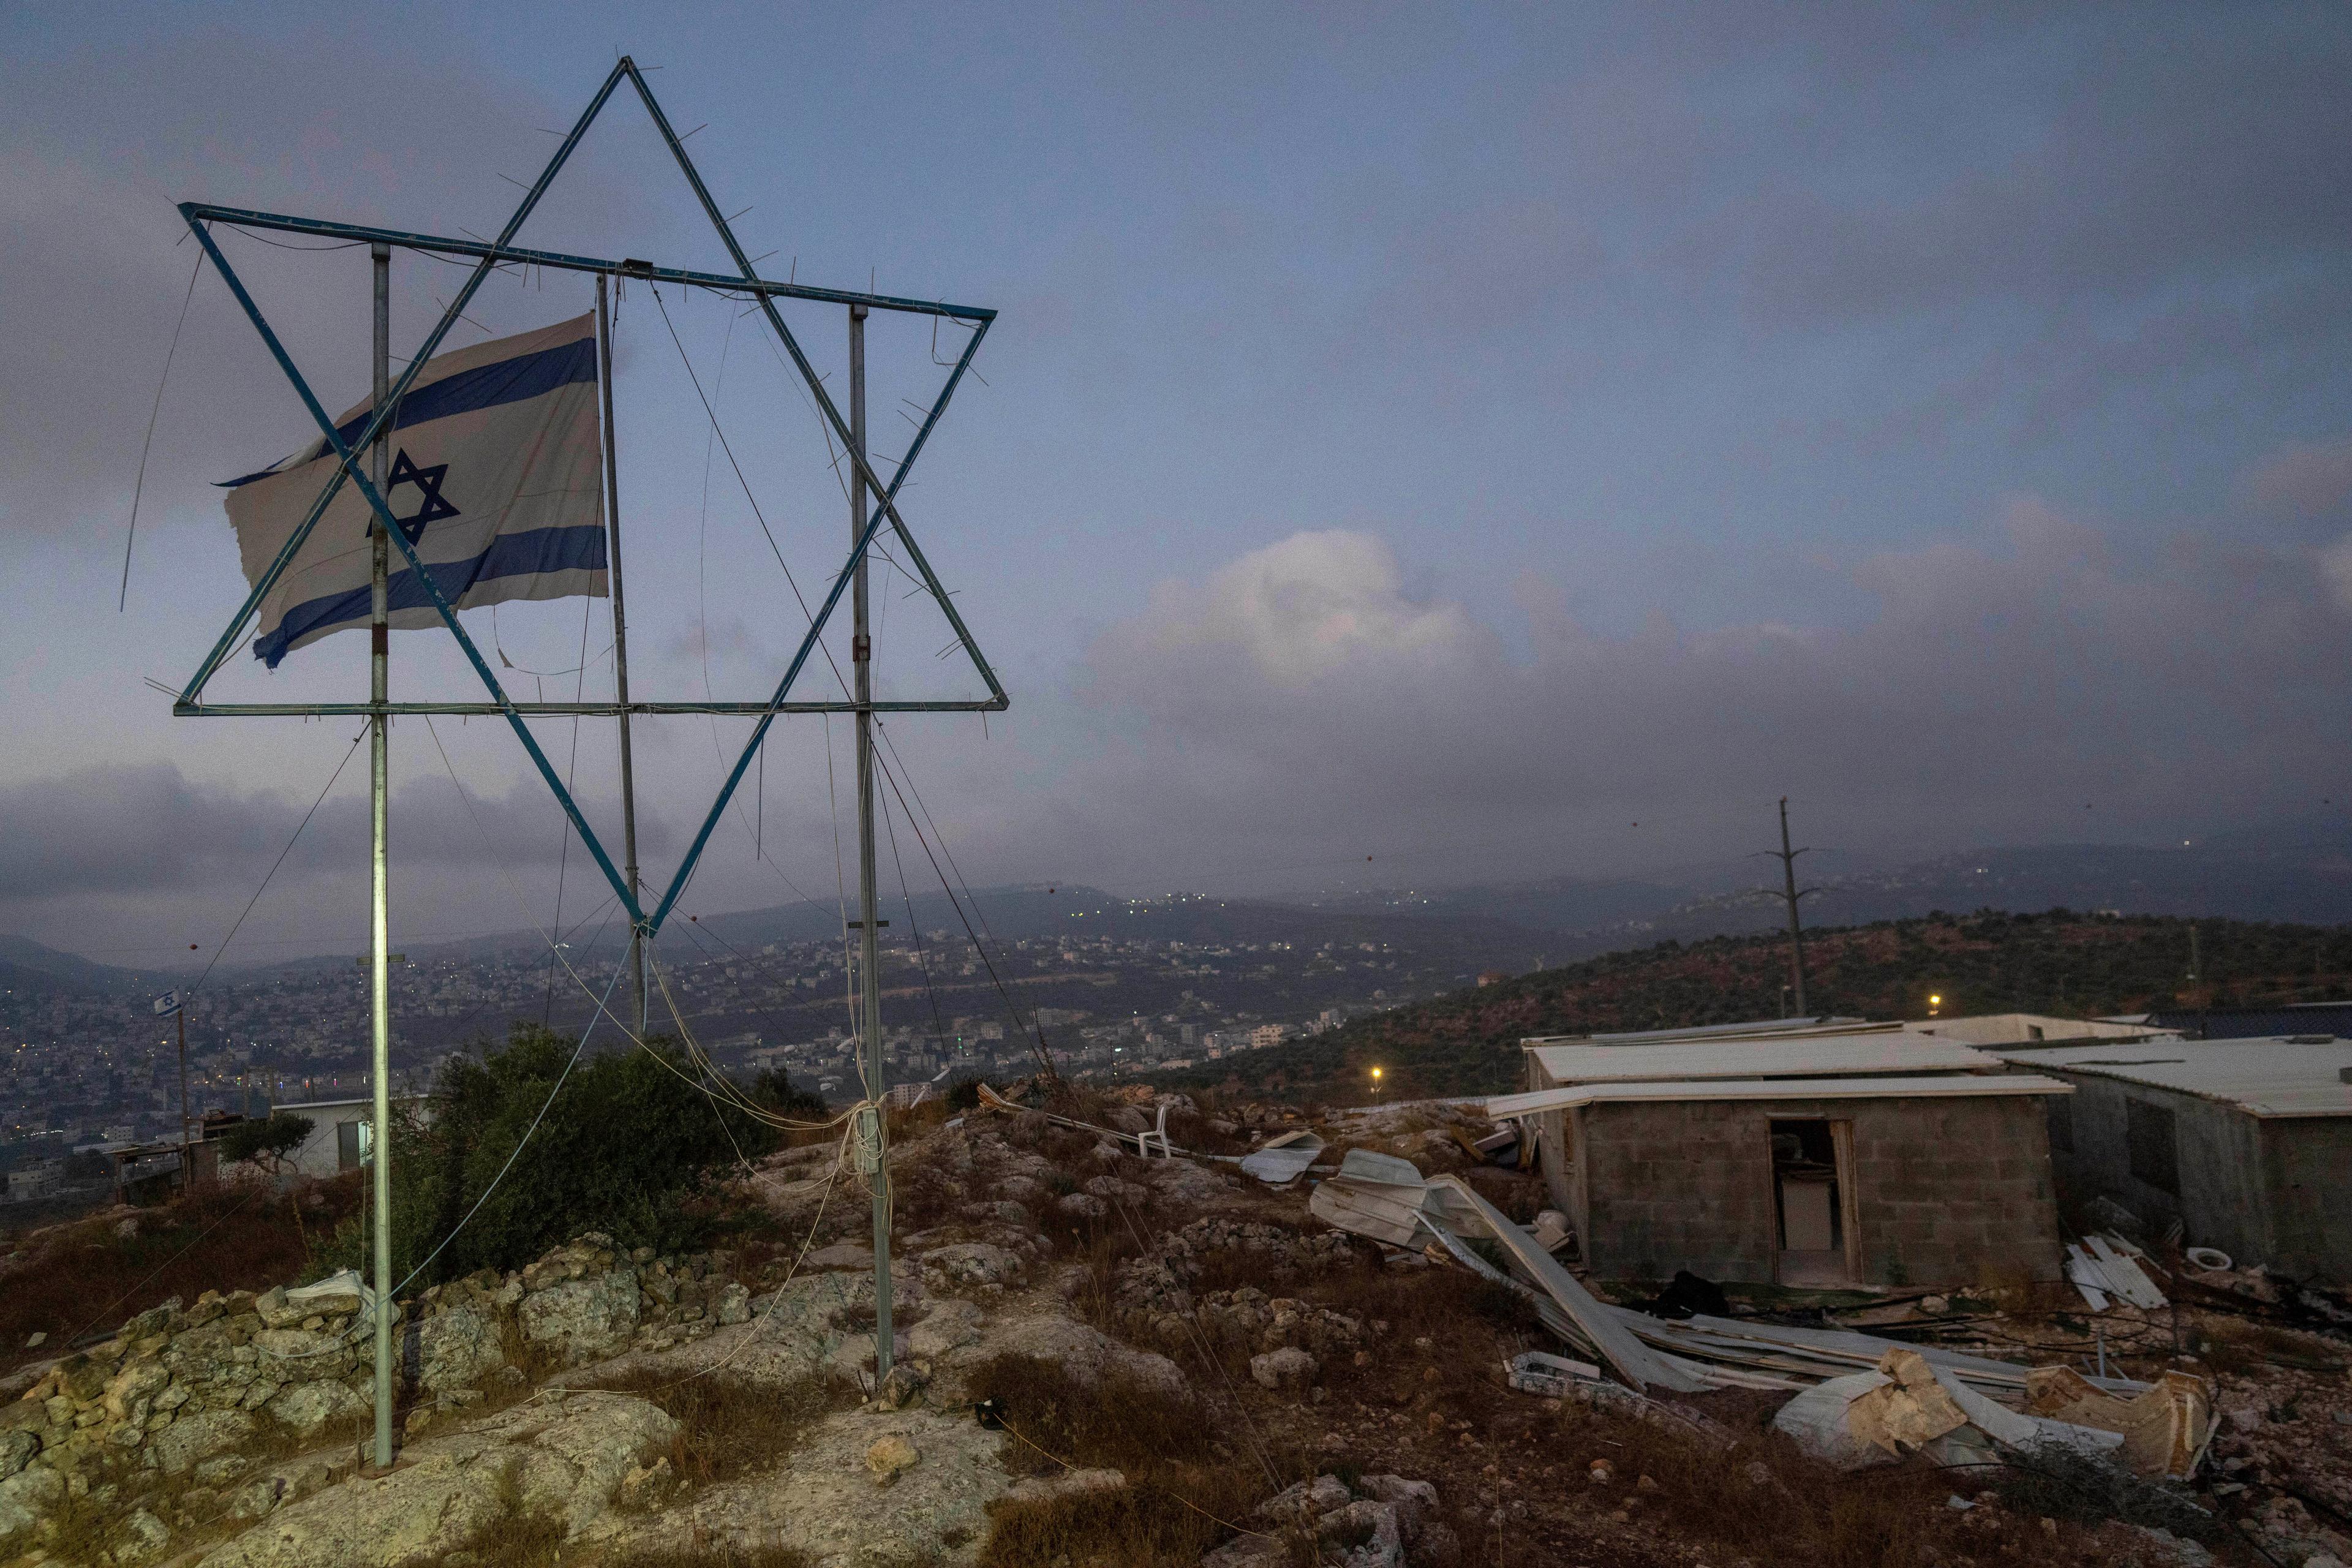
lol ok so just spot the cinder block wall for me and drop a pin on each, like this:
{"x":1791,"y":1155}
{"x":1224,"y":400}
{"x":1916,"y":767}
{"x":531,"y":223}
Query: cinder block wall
{"x":2222,"y":1198}
{"x":1951,"y":1191}
{"x":2308,"y":1162}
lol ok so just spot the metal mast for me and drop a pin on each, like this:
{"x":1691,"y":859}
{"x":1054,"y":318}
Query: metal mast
{"x":620,"y":634}
{"x":868,"y":928}
{"x":380,"y":931}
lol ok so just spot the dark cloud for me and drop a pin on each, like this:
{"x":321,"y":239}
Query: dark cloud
{"x":146,"y":829}
{"x":99,"y":261}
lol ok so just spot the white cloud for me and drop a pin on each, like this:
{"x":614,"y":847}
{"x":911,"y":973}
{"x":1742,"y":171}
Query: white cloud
{"x":1299,"y":699}
{"x":1309,"y":606}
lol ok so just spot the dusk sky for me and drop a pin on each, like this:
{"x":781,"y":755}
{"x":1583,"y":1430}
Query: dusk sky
{"x":1500,"y":441}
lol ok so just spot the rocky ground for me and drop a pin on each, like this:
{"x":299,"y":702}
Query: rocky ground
{"x":1100,"y":1360}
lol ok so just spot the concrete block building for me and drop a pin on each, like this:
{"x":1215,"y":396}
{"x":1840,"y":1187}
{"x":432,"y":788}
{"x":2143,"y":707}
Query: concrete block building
{"x":2247,"y":1143}
{"x":1799,"y":1152}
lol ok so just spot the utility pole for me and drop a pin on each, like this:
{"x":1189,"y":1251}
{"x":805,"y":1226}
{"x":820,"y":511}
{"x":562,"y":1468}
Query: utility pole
{"x":877,"y":1138}
{"x":1789,"y":891}
{"x":620,"y":634}
{"x":187,"y":1148}
{"x":379,"y":954}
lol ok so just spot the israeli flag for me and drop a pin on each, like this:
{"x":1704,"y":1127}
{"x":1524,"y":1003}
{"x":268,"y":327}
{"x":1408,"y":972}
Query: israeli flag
{"x":495,"y":479}
{"x":167,"y":1004}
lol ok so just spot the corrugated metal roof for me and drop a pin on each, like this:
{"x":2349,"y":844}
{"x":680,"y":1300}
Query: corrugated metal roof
{"x":2265,"y":1078}
{"x":1762,"y":1029}
{"x":1805,"y":1055}
{"x":1955,"y":1085}
{"x":2258,"y":1023}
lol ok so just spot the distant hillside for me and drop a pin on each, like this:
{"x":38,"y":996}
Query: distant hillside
{"x":2300,"y":871}
{"x":2061,"y":963}
{"x":26,"y":966}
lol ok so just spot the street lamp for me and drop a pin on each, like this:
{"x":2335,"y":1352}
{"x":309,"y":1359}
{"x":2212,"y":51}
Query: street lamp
{"x":1935,"y":999}
{"x":1376,"y":1083}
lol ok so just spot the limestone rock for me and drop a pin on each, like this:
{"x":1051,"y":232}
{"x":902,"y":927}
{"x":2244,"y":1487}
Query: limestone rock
{"x":970,"y":1265}
{"x":585,"y":1317}
{"x":454,"y":1348}
{"x":17,"y":1450}
{"x":307,"y":1406}
{"x":822,"y":1503}
{"x":130,"y":1393}
{"x":276,"y":1312}
{"x":1111,"y":1189}
{"x":566,"y":1460}
{"x":27,"y":1497}
{"x":194,"y":1438}
{"x":1081,"y":1205}
{"x":144,"y":1536}
{"x":734,"y":1304}
{"x":889,"y":1455}
{"x":1373,"y":1526}
{"x":1289,"y":1368}
{"x":1087,"y":1354}
{"x":945,"y":1327}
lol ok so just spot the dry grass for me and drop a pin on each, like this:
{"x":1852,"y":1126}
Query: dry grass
{"x":86,"y":1276}
{"x":728,"y":1427}
{"x":712,"y":1557}
{"x":1189,"y":1476}
{"x":2238,"y":1348}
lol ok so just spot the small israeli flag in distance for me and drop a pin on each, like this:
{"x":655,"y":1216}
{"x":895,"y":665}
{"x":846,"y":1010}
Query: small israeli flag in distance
{"x":167,"y":1004}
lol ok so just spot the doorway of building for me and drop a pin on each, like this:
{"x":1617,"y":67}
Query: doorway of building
{"x":1811,"y":1201}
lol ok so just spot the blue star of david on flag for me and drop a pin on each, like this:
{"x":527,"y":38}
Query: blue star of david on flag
{"x":428,"y":481}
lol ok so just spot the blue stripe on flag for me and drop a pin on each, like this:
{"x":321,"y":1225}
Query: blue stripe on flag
{"x":484,"y":387}
{"x":524,"y":555}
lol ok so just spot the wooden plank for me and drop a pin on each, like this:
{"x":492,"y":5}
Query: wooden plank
{"x":1634,"y":1360}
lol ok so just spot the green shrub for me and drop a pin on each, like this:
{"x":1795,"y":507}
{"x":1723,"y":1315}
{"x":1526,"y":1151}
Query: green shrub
{"x":625,"y":1147}
{"x":266,"y":1141}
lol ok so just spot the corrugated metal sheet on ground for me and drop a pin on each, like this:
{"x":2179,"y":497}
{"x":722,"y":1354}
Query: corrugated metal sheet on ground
{"x":2264,"y":1077}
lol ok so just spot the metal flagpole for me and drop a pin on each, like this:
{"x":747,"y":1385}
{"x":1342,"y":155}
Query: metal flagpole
{"x":620,"y":632}
{"x":379,"y":954}
{"x":869,"y":927}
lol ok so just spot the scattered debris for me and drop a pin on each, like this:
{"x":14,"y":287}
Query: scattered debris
{"x":1905,"y":1404}
{"x":1553,"y":1376}
{"x":2166,"y":1430}
{"x":2106,"y":1270}
{"x":1284,"y":1158}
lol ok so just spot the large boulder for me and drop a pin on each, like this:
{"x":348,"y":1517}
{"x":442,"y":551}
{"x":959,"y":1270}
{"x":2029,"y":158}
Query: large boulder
{"x":583,"y":1318}
{"x":970,"y":1266}
{"x":1086,"y":1355}
{"x":198,"y":1435}
{"x":454,"y":1348}
{"x":307,"y":1406}
{"x":563,"y":1460}
{"x":26,"y":1499}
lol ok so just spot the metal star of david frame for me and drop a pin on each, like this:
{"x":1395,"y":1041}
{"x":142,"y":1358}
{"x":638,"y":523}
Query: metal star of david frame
{"x":489,"y":256}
